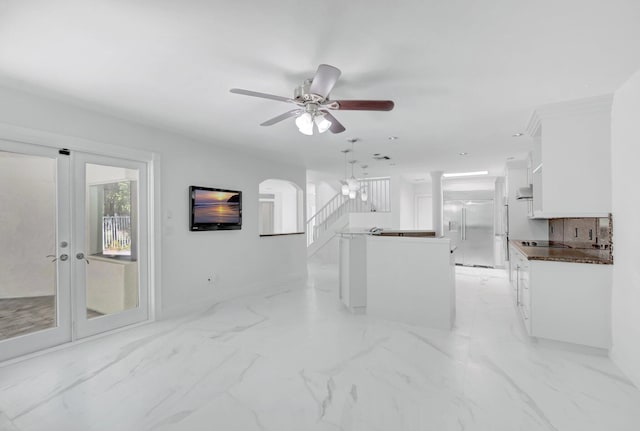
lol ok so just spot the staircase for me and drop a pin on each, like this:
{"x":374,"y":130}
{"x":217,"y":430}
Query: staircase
{"x":334,"y":215}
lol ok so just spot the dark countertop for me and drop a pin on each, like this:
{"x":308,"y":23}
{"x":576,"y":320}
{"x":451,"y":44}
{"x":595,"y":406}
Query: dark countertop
{"x":575,"y":255}
{"x":412,"y":233}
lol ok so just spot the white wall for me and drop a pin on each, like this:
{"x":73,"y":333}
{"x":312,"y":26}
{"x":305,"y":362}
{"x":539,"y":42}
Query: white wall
{"x":625,"y":145}
{"x":242,"y":261}
{"x":402,"y":203}
{"x":311,"y":200}
{"x":370,"y":219}
{"x":27,"y":226}
{"x":423,"y":206}
{"x":325,"y":186}
{"x":468,"y":184}
{"x":324,"y":193}
{"x":423,"y":210}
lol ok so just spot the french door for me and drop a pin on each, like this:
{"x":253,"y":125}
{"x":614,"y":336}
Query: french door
{"x":110,"y":243}
{"x":73,"y":246}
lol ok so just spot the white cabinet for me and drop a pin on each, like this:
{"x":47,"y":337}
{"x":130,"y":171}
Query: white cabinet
{"x":571,"y":158}
{"x":519,"y":276}
{"x":563,"y":301}
{"x":571,"y":302}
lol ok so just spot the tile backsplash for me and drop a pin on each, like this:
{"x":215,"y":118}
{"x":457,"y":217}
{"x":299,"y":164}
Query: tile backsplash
{"x":587,"y":232}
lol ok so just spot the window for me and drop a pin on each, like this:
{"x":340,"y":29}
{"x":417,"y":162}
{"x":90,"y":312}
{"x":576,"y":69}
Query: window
{"x":112,"y":213}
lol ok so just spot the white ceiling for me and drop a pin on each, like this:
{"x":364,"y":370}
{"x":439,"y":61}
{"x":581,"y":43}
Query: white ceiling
{"x":464,"y":74}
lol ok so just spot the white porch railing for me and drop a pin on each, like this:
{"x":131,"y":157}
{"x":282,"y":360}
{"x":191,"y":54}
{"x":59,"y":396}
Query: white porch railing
{"x":116,"y":234}
{"x":378,"y":199}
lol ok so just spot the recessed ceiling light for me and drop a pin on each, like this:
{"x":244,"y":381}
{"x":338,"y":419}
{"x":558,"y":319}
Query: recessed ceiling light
{"x":465,"y":174}
{"x":353,"y":140}
{"x":462,"y":153}
{"x":393,"y":138}
{"x":376,"y":154}
{"x":517,"y":135}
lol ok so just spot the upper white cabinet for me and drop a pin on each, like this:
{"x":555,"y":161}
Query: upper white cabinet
{"x":571,"y":158}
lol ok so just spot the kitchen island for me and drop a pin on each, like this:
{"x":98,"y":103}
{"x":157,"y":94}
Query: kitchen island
{"x":399,"y":275}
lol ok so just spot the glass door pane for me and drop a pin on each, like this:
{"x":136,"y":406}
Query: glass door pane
{"x":109,"y":259}
{"x":111,"y":217}
{"x":34,"y":249}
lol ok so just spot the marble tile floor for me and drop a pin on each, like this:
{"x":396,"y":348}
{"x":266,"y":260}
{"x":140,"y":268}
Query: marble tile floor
{"x":295,"y":359}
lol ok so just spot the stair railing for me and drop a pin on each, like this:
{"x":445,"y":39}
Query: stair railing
{"x":378,"y":192}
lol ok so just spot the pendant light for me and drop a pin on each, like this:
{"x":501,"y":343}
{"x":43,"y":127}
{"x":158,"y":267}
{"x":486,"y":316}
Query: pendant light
{"x":345,"y":185}
{"x":352,"y":183}
{"x":363,"y":191}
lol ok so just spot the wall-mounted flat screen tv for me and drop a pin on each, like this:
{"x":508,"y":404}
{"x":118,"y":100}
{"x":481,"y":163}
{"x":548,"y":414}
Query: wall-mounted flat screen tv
{"x":215,"y":209}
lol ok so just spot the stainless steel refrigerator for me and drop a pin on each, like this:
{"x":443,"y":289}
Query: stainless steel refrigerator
{"x":469,"y":225}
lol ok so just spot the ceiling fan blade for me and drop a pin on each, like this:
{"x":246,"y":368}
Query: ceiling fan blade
{"x":361,"y":105}
{"x":282,"y":117}
{"x":324,"y":80}
{"x":261,"y":95}
{"x":336,"y":127}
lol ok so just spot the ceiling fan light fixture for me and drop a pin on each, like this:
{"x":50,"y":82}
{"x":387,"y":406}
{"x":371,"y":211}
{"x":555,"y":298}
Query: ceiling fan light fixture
{"x":312,"y":100}
{"x":322,"y":123}
{"x":306,"y":130}
{"x":305,"y":123}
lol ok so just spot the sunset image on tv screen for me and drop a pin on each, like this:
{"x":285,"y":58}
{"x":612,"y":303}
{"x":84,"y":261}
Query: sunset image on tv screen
{"x":216,"y":207}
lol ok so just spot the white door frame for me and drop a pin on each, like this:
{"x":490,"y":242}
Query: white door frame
{"x":61,"y":332}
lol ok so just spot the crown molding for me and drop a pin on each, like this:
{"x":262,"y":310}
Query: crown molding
{"x":589,"y":105}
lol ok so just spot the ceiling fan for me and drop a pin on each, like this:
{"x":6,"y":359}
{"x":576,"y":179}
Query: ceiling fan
{"x":312,"y":99}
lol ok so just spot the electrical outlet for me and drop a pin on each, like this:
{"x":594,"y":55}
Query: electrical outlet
{"x":210,"y":278}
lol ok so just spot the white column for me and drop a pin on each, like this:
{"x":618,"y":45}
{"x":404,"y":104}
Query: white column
{"x":436,"y":196}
